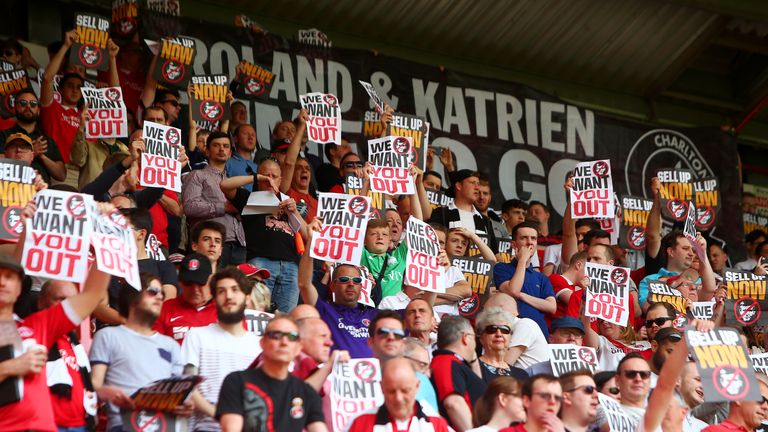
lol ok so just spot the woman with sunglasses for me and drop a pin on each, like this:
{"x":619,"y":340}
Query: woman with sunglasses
{"x":606,"y":384}
{"x":494,"y":328}
{"x":500,"y":406}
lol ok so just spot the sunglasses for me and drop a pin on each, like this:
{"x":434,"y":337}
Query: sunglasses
{"x":550,"y":396}
{"x":358,"y":164}
{"x":153,"y":291}
{"x":277,"y":335}
{"x":492,"y":329}
{"x":419,"y":363}
{"x":357,"y":280}
{"x":764,"y":401}
{"x":631,"y":374}
{"x":386,"y":332}
{"x":587,"y":389}
{"x":25,"y":102}
{"x":172,"y":102}
{"x":658,"y":321}
{"x":614,"y":390}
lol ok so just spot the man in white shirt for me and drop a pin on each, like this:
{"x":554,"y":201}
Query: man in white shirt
{"x":218,"y":349}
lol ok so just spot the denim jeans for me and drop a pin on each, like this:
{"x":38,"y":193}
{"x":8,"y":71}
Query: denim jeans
{"x":282,"y":282}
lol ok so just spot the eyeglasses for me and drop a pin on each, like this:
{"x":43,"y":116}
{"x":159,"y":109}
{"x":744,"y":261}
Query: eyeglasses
{"x":358,"y":164}
{"x":277,"y":335}
{"x":587,"y":389}
{"x":173,"y":102}
{"x":492,"y":329}
{"x":614,"y":390}
{"x":419,"y":363}
{"x":153,"y":291}
{"x":386,"y":332}
{"x":658,"y":321}
{"x":631,"y":374}
{"x":550,"y":396}
{"x":25,"y":102}
{"x":357,"y":280}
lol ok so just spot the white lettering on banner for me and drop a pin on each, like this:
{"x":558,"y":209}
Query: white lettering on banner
{"x":355,"y":387}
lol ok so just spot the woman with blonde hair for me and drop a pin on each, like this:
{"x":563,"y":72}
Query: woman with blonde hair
{"x":500,"y":406}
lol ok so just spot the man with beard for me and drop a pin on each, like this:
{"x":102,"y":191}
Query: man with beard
{"x":47,"y":158}
{"x":662,"y":346}
{"x":128,"y":357}
{"x":269,"y":398}
{"x":218,"y":349}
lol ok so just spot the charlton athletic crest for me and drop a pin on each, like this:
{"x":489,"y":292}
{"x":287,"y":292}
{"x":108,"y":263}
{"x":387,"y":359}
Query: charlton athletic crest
{"x":297,"y":408}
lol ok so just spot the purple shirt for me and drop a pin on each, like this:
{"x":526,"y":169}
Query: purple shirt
{"x":349,"y":326}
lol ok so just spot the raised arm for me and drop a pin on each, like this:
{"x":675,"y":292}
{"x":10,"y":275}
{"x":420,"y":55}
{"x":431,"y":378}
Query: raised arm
{"x":416,"y":210}
{"x":708,"y":281}
{"x":150,"y":86}
{"x":113,"y":49}
{"x":306,"y":268}
{"x":570,"y":242}
{"x":231,"y":184}
{"x":653,"y":225}
{"x":46,"y":88}
{"x":289,"y":164}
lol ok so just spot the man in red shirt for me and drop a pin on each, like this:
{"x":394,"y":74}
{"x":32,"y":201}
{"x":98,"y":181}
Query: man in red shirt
{"x":542,"y":398}
{"x":38,"y":333}
{"x":744,"y":416}
{"x":569,"y":282}
{"x":193,"y":308}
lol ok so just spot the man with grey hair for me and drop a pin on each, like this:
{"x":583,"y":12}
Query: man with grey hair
{"x":418,"y":354}
{"x":456,"y":373}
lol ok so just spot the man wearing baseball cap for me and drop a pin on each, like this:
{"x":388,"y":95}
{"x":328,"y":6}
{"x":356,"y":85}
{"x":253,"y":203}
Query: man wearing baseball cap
{"x":566,"y":330}
{"x":18,"y":146}
{"x":193,"y":308}
{"x":661,"y":346}
{"x":32,"y":410}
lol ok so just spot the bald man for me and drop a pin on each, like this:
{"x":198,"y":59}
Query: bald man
{"x":304,"y":311}
{"x":399,"y":385}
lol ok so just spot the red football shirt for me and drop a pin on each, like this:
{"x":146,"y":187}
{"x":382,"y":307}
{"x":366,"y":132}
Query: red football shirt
{"x":177,"y":317}
{"x":70,"y":412}
{"x":34,"y":411}
{"x":61,"y":124}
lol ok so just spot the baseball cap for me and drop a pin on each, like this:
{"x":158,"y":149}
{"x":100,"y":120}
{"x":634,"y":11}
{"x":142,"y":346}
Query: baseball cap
{"x":567,"y":322}
{"x":668,"y":333}
{"x":176,"y":258}
{"x":250,"y":270}
{"x":280,"y":145}
{"x":11,"y":264}
{"x":458,"y":177}
{"x":20,"y":137}
{"x":195,"y":268}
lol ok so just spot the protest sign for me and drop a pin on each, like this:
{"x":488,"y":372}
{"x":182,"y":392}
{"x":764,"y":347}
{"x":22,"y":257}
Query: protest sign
{"x":745,"y":300}
{"x":90,"y":49}
{"x":165,"y":394}
{"x":254,"y":81}
{"x":438,"y":198}
{"x":155,"y":421}
{"x":634,"y":217}
{"x":611,"y":226}
{"x":675,"y":192}
{"x":354,"y":186}
{"x":702,"y":310}
{"x":114,"y":246}
{"x":124,"y":18}
{"x":506,"y":253}
{"x":759,"y":362}
{"x":58,"y":236}
{"x":422,"y":265}
{"x":314,"y":37}
{"x":342,"y":234}
{"x":355,"y":387}
{"x":417,"y":129}
{"x":12,"y":81}
{"x":16,"y":190}
{"x":608,"y":293}
{"x":706,"y":194}
{"x":174,"y":62}
{"x":474,"y":249}
{"x":757,"y":200}
{"x":390,"y":159}
{"x":754,"y":222}
{"x":659,"y":291}
{"x":208,"y":100}
{"x":723,"y":362}
{"x":324,"y":121}
{"x":592,"y":192}
{"x":107,"y":112}
{"x":160,"y":165}
{"x":256,"y":321}
{"x":154,"y":248}
{"x":375,"y":99}
{"x":568,"y":358}
{"x":479,"y":275}
{"x":618,"y":419}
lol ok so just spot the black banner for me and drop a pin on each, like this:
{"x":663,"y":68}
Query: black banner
{"x":525,"y":140}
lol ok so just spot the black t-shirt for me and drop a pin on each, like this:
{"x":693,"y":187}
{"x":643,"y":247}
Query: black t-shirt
{"x":52,"y":152}
{"x":266,"y":235}
{"x":265,"y":403}
{"x":327,"y":176}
